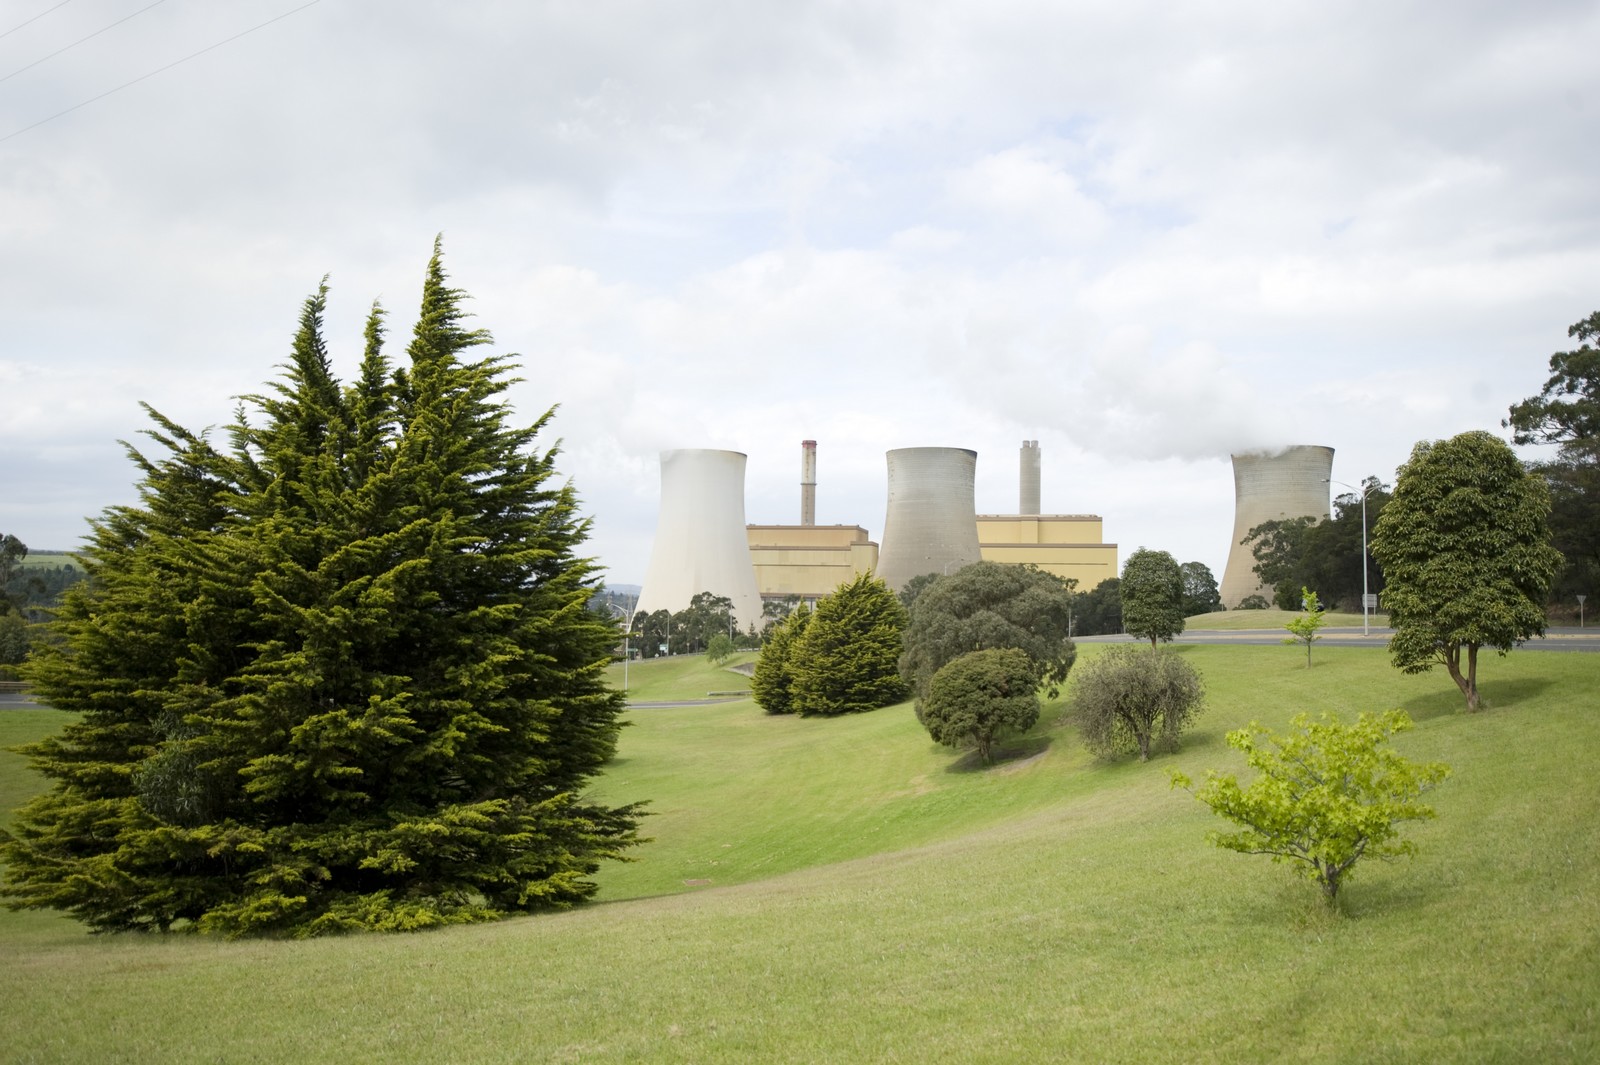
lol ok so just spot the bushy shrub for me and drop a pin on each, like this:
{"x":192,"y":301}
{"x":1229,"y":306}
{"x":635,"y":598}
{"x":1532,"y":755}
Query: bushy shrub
{"x":1128,"y":696}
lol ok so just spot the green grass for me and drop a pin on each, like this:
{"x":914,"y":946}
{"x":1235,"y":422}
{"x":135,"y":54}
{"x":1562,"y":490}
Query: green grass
{"x":1234,"y":620}
{"x":680,"y":677}
{"x":873,"y":897}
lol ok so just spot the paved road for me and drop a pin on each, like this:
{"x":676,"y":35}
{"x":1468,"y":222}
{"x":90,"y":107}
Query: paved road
{"x":1562,"y":639}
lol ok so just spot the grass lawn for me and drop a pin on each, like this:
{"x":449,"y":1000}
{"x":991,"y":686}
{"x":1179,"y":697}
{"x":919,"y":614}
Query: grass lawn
{"x":1234,"y":620}
{"x":844,"y":890}
{"x":680,"y":677}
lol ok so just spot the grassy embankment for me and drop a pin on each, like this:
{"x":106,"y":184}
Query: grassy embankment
{"x":872,"y":897}
{"x":1275,"y":620}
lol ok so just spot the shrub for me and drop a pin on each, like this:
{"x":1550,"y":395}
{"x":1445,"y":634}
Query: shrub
{"x":980,"y":696}
{"x":1129,"y":695}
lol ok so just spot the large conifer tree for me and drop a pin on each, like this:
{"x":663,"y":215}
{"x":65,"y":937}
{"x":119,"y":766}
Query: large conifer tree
{"x":337,"y":674}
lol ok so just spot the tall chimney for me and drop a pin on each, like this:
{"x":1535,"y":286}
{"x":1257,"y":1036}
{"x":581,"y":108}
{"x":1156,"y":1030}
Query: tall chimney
{"x":808,"y":482}
{"x":1028,"y":494}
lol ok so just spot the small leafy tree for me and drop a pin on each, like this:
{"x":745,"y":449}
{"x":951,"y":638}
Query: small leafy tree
{"x":846,"y":660}
{"x":1465,"y":549}
{"x":1325,"y":796}
{"x":1200,"y":594}
{"x":1152,"y":596}
{"x":772,"y":682}
{"x":980,"y":696}
{"x":719,"y":648}
{"x":1127,"y":696}
{"x":1305,"y":626}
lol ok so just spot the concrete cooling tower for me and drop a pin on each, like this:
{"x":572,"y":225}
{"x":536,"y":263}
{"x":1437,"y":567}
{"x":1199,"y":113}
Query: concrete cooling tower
{"x":700,"y":543}
{"x":1291,"y":483}
{"x":932,"y":524}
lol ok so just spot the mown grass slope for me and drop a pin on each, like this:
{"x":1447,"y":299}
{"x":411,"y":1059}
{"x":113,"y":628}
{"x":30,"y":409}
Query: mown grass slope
{"x":872,"y":897}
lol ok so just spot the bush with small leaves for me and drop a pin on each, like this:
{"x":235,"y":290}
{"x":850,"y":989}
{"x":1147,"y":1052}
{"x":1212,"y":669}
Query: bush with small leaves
{"x":1128,"y":696}
{"x":1325,"y":796}
{"x":981,"y":696}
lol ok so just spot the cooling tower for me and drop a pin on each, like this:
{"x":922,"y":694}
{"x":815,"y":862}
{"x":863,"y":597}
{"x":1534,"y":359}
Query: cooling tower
{"x":931,"y":525}
{"x":700,"y":541}
{"x":808,"y":482}
{"x":1291,"y":483}
{"x":1028,"y":490}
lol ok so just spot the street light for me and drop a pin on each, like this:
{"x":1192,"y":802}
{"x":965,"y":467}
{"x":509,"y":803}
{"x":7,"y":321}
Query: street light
{"x":1365,"y":607}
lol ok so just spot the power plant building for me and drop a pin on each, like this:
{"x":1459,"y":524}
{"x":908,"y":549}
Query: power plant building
{"x":931,"y":508}
{"x":1068,"y":545}
{"x":808,"y":561}
{"x":1292,"y":483}
{"x":700,"y":543}
{"x":931,"y":523}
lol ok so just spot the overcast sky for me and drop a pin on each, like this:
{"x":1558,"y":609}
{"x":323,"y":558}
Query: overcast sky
{"x":1144,"y":234}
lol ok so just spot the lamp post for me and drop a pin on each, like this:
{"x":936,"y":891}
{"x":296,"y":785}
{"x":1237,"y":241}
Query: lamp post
{"x":1365,"y":609}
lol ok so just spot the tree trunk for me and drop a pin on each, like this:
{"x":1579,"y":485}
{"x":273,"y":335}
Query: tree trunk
{"x":1469,"y":688}
{"x":1472,"y":677}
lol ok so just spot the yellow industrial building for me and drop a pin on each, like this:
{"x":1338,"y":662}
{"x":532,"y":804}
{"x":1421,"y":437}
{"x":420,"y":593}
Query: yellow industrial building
{"x":810,"y":561}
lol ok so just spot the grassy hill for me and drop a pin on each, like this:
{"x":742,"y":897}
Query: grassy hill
{"x":846,"y":891}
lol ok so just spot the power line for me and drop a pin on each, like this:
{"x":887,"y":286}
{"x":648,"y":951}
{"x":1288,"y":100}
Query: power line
{"x":80,"y":40}
{"x":160,"y":70}
{"x":34,"y":19}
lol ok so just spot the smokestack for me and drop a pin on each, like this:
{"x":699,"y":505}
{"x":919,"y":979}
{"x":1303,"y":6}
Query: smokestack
{"x":1292,"y":483}
{"x":932,"y":524}
{"x":808,"y":482}
{"x":1028,"y":492}
{"x":700,"y":544}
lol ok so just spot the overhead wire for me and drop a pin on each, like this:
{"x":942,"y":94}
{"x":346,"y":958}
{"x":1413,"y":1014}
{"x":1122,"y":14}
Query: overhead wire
{"x":80,"y":40}
{"x":160,"y":70}
{"x":34,"y":19}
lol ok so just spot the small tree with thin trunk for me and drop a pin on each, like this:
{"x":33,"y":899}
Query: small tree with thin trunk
{"x":1305,"y":626}
{"x":1465,"y":549}
{"x":1127,"y":696}
{"x":1326,"y":795}
{"x":1152,"y":596}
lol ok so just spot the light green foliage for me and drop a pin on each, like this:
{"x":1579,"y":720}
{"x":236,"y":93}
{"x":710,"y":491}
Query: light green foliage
{"x":719,"y":648}
{"x":1325,"y":796}
{"x":337,"y":674}
{"x":1128,"y":696}
{"x":981,"y":696}
{"x":1152,"y":596}
{"x":1304,"y":626}
{"x":772,"y":682}
{"x":1465,"y":549}
{"x":844,"y":662}
{"x":989,"y":605}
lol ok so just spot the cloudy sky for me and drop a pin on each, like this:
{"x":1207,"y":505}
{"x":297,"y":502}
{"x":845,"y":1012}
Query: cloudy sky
{"x":1144,"y":234}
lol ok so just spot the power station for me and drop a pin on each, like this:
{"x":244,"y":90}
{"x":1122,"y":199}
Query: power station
{"x":1271,"y":486}
{"x":700,"y":543}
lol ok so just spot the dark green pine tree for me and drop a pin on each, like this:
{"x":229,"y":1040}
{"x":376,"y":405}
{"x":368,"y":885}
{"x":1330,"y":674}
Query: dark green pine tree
{"x":847,"y":659}
{"x":772,"y":681}
{"x":339,"y":676}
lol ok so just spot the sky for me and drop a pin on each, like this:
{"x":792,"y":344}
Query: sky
{"x":1147,"y":235}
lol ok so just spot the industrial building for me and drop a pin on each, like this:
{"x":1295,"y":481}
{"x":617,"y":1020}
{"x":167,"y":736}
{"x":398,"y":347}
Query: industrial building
{"x":1271,"y":486}
{"x":930,"y":523}
{"x":700,"y":543}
